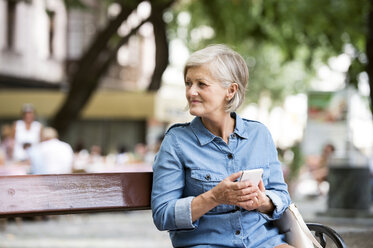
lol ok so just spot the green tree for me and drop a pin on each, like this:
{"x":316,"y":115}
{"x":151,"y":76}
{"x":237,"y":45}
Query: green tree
{"x":284,"y":41}
{"x":95,"y":61}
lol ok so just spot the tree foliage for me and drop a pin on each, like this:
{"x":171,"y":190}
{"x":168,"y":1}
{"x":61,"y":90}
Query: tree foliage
{"x":282,"y":41}
{"x":84,"y":79}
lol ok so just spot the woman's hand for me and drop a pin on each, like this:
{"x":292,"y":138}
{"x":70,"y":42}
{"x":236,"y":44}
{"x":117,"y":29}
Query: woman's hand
{"x":260,"y":202}
{"x":231,"y":192}
{"x":242,"y":194}
{"x":226,"y":192}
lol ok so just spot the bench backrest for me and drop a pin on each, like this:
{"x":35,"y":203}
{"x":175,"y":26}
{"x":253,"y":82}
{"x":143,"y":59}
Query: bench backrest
{"x":74,"y":193}
{"x":81,"y":193}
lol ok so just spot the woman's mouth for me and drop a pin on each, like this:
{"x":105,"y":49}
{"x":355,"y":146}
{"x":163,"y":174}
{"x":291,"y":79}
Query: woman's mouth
{"x":194,"y":101}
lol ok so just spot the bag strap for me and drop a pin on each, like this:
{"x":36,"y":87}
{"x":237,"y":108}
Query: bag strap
{"x":303,"y":225}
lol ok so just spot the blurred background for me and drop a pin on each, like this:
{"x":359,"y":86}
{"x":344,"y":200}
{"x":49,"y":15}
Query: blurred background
{"x":103,"y":80}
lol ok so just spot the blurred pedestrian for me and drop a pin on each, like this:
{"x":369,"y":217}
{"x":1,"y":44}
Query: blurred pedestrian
{"x":51,"y":156}
{"x":26,"y":133}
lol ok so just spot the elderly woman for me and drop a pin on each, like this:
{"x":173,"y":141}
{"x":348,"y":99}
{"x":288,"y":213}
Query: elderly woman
{"x":196,"y":192}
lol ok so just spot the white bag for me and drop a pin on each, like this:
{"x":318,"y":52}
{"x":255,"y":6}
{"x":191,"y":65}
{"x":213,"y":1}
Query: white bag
{"x":295,"y":229}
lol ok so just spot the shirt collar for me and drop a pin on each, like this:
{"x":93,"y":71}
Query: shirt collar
{"x":204,"y":136}
{"x":239,"y":129}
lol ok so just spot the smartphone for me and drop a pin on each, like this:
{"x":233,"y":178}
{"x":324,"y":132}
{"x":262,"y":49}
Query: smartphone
{"x":253,"y":176}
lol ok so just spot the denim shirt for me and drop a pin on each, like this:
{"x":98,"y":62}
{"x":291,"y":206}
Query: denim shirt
{"x":192,"y":161}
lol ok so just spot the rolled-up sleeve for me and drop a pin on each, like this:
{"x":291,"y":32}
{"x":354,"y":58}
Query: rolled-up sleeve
{"x":276,"y":189}
{"x":183,"y":220}
{"x":170,"y":210}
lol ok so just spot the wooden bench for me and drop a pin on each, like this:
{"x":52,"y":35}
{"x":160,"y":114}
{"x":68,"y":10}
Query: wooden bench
{"x":36,"y":195}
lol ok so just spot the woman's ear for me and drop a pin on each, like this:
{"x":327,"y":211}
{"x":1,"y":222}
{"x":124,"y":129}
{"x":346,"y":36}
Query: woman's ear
{"x":232,"y":89}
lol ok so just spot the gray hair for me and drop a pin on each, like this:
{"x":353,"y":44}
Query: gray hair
{"x":227,"y":66}
{"x":48,"y":133}
{"x":28,"y":107}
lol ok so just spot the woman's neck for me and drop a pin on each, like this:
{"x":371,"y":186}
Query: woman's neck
{"x":27,"y":124}
{"x":221,"y":126}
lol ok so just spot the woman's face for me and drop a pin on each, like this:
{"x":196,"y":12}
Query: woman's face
{"x":28,"y":117}
{"x":206,"y":97}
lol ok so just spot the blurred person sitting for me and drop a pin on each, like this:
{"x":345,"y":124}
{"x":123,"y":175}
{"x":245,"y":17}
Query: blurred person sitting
{"x":26,"y":133}
{"x":51,"y":156}
{"x":141,"y":154}
{"x":7,"y":142}
{"x":2,"y":156}
{"x":95,"y":156}
{"x":319,"y":168}
{"x":123,"y":156}
{"x":151,"y":153}
{"x":81,"y":157}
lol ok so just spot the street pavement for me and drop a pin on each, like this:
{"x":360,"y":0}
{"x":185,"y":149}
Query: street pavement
{"x":102,"y":230}
{"x":135,"y":229}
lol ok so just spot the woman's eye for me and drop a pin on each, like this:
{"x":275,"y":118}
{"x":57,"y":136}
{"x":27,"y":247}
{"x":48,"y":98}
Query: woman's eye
{"x":188,"y":83}
{"x":201,"y":84}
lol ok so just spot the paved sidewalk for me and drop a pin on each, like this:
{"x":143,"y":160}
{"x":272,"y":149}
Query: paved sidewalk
{"x":104,"y":230}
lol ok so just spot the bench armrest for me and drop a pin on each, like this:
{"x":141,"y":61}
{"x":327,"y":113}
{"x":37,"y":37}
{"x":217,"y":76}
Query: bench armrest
{"x":321,"y":230}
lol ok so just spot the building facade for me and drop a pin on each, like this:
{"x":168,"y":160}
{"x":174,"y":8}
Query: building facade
{"x":41,"y":40}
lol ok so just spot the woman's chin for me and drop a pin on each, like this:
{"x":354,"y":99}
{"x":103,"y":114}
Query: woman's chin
{"x":194,"y":112}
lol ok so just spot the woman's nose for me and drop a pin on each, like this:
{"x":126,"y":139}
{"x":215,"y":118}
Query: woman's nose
{"x":193,"y":91}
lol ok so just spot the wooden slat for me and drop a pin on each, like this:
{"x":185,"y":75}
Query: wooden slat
{"x":74,"y":193}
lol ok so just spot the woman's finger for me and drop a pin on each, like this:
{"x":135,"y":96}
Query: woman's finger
{"x":244,"y":198}
{"x":261,"y":186}
{"x":248,"y":190}
{"x":234,"y":176}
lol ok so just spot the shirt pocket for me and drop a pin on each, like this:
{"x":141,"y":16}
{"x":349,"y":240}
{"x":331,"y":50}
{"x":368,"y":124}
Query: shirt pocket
{"x":203,"y":181}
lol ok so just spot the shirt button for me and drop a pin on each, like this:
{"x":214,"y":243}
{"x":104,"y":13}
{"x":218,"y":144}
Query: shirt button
{"x":208,"y":177}
{"x":238,"y":232}
{"x":230,"y":155}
